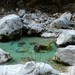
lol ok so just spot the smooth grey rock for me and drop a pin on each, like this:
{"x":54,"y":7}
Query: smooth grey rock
{"x":30,"y":68}
{"x":10,"y":27}
{"x":62,"y":21}
{"x":65,"y":55}
{"x":4,"y":56}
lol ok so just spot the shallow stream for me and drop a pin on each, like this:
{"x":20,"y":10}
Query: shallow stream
{"x":22,"y":50}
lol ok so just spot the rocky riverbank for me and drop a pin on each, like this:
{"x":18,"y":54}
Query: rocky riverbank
{"x":60,"y":26}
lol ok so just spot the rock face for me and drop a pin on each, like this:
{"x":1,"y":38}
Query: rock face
{"x":30,"y":68}
{"x":62,"y":21}
{"x":65,"y":55}
{"x":66,"y":36}
{"x":10,"y":27}
{"x":4,"y":56}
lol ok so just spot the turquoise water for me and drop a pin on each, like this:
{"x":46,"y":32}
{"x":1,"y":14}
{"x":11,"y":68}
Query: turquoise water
{"x":22,"y":50}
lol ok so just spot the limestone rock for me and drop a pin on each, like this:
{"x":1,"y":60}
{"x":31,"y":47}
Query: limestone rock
{"x":66,"y":36}
{"x":10,"y":27}
{"x":65,"y":55}
{"x":30,"y":68}
{"x":62,"y":21}
{"x":4,"y":56}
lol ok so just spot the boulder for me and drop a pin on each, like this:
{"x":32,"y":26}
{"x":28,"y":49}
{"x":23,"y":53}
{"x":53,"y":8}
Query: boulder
{"x":66,"y":36}
{"x":62,"y":21}
{"x":30,"y":68}
{"x":45,"y":69}
{"x":65,"y":55}
{"x":10,"y":27}
{"x":35,"y":28}
{"x":4,"y":56}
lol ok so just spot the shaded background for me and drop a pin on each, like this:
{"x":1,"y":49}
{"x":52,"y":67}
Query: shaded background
{"x":44,"y":5}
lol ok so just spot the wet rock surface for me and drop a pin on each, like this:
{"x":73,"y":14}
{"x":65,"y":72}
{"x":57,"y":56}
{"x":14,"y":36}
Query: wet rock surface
{"x":66,"y":36}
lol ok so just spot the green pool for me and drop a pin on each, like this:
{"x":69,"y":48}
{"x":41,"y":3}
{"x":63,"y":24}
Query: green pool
{"x":22,"y":50}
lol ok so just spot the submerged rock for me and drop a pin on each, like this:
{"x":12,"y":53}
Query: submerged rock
{"x":30,"y":68}
{"x":39,"y":48}
{"x":22,"y":50}
{"x":65,"y":55}
{"x":10,"y":27}
{"x":62,"y":21}
{"x":4,"y":56}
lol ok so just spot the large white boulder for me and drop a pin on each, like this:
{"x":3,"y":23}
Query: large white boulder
{"x":62,"y":21}
{"x":44,"y":68}
{"x":30,"y":68}
{"x":66,"y":36}
{"x":19,"y":69}
{"x":10,"y":26}
{"x":4,"y":56}
{"x":65,"y":55}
